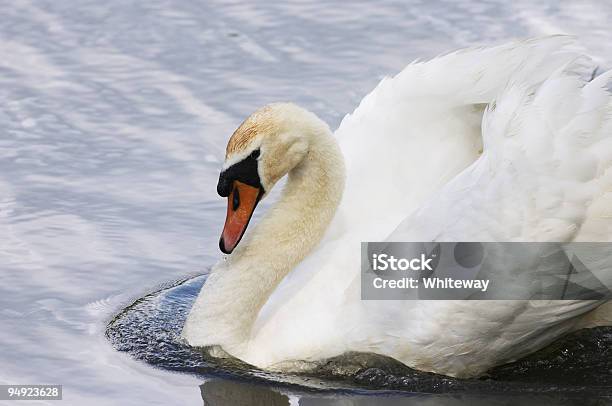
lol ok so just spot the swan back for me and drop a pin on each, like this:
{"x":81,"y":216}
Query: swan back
{"x":409,"y":136}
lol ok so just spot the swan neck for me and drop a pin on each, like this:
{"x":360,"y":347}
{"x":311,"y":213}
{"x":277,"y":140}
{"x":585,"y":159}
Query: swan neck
{"x":236,"y":290}
{"x":296,"y":223}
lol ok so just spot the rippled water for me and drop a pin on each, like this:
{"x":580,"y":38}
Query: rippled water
{"x":113,"y":120}
{"x":577,"y":366}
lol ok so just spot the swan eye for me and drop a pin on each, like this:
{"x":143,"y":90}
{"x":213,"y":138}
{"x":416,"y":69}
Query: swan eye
{"x":255,"y":154}
{"x":235,"y":199}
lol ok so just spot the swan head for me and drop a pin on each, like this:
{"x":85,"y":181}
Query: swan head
{"x":265,"y":147}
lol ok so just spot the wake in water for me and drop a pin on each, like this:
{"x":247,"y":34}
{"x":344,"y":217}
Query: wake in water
{"x":150,"y":329}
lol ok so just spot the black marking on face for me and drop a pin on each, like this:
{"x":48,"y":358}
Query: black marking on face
{"x":244,"y":171}
{"x":235,"y":199}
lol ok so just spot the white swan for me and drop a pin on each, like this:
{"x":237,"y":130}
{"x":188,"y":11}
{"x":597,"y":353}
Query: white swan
{"x":289,"y":293}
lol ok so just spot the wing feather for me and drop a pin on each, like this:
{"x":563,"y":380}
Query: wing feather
{"x":409,"y":136}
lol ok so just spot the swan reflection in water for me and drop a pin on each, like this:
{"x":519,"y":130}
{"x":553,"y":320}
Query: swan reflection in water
{"x":220,"y":392}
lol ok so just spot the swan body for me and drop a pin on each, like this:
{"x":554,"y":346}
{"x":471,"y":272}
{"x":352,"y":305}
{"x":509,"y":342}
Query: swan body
{"x":487,"y":144}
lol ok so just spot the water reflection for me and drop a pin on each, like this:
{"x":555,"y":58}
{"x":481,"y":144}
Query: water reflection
{"x":218,"y":392}
{"x":576,"y":367}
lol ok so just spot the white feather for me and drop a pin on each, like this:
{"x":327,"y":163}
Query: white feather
{"x":425,"y":162}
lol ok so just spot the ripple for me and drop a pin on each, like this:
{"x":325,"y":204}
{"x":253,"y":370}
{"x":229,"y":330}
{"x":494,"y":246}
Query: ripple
{"x":149,"y":329}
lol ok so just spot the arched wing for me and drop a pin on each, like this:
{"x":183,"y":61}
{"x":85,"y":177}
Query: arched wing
{"x":409,"y":136}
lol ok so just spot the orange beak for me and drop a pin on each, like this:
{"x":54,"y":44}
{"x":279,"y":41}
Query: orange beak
{"x":241,"y":204}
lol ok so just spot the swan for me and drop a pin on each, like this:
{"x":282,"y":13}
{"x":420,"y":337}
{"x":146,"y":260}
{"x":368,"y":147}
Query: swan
{"x":504,"y":143}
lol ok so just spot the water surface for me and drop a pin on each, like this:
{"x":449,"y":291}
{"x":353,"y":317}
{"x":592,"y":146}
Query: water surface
{"x":576,"y":367}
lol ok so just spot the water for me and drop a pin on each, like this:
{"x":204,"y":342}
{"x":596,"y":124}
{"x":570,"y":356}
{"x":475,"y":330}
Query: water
{"x":576,"y":367}
{"x":113,"y":120}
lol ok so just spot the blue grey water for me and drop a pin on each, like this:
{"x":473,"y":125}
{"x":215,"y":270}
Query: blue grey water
{"x":113,"y":122}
